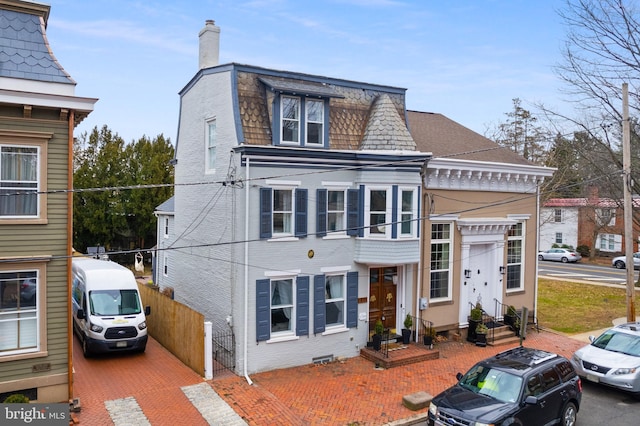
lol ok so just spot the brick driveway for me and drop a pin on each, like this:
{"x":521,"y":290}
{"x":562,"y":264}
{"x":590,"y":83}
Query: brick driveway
{"x":340,"y":393}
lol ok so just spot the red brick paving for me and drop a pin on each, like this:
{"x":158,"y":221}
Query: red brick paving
{"x":339,"y":393}
{"x":354,"y":392}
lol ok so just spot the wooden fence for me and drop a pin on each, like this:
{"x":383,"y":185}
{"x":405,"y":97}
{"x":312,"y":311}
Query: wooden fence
{"x":175,"y":326}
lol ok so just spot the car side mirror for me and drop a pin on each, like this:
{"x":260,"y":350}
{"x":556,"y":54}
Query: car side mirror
{"x":147,"y":310}
{"x":592,"y":338}
{"x":531,"y":400}
{"x":80,"y":314}
{"x":459,"y":376}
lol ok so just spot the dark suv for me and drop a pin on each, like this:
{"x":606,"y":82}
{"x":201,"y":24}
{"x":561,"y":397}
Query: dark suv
{"x":521,"y":386}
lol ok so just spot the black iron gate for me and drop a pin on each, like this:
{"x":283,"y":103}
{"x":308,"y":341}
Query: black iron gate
{"x":224,"y":352}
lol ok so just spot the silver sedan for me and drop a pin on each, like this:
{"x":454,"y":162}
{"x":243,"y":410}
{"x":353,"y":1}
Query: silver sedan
{"x":620,"y":261}
{"x":559,"y":255}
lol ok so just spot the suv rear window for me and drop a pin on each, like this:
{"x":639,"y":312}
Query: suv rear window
{"x":566,"y":370}
{"x":550,"y":378}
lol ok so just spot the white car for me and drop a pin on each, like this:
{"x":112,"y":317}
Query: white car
{"x":612,"y":359}
{"x":560,"y":255}
{"x":620,"y":262}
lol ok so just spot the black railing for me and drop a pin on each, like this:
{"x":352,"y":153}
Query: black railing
{"x":420,"y":328}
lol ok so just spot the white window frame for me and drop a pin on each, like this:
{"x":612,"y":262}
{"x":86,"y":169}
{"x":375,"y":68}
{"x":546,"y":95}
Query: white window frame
{"x":558,"y":239}
{"x":310,"y":121}
{"x":38,"y":189}
{"x":368,"y":228}
{"x":211,"y":144}
{"x":601,"y":216}
{"x":340,"y":298}
{"x":341,"y":227}
{"x":522,"y":239}
{"x":558,"y":215}
{"x":610,"y":242}
{"x":413,"y":212}
{"x":297,"y":120}
{"x":283,"y":186}
{"x":40,"y":348}
{"x":449,"y":267}
{"x":292,"y":305}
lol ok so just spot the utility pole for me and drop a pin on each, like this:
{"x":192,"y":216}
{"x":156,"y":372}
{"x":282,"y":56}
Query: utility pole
{"x":628,"y":204}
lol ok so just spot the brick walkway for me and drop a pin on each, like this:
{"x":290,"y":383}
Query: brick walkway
{"x":352,"y":392}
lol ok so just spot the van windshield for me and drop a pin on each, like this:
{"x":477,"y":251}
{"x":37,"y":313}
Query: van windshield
{"x":114,"y":302}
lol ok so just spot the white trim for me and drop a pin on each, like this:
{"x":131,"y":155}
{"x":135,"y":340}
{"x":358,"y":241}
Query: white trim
{"x":337,"y":185}
{"x":282,"y":274}
{"x":335,"y":269}
{"x":283,"y":183}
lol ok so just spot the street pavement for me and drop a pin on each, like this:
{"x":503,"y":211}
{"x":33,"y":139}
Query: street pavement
{"x":156,"y":388}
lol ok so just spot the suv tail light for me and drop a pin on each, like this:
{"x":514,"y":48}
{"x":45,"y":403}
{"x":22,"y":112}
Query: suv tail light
{"x":579,"y":385}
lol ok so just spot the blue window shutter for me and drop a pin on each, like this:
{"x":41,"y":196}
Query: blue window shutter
{"x":319,"y":307}
{"x":419,"y":218}
{"x":302,"y":306}
{"x":353,"y":211}
{"x":321,"y":212}
{"x":394,"y":212}
{"x":263,"y":310}
{"x":352,"y":299}
{"x":265,"y":213}
{"x":301,"y":212}
{"x":361,"y":210}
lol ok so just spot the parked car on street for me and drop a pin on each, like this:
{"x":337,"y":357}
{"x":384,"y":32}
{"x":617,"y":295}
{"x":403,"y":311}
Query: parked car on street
{"x":520,"y":386}
{"x":560,"y":255}
{"x":612,"y":359}
{"x":620,"y":262}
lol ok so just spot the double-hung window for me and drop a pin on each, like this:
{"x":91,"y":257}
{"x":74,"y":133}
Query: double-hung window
{"x":335,"y":297}
{"x":211,"y":138}
{"x":282,"y":307}
{"x":314,"y":112}
{"x":440,"y":268}
{"x":557,"y":215}
{"x":335,"y":211}
{"x":610,"y":242}
{"x":290,"y":113}
{"x":19,"y":315}
{"x":377,"y":220}
{"x":283,"y":210}
{"x":19,"y":179}
{"x":515,"y":256}
{"x":408,"y":212}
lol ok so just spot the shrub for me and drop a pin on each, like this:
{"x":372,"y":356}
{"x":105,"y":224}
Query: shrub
{"x":16,"y":398}
{"x":583,"y":250}
{"x":476,"y":312}
{"x":408,"y":322}
{"x":379,"y":328}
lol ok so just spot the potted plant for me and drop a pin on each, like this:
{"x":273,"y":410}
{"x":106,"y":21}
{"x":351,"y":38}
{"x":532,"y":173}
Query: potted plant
{"x":429,"y":337}
{"x":511,"y":315}
{"x":377,"y":335}
{"x":475,"y":318}
{"x":481,"y":334}
{"x":406,"y":331}
{"x":516,"y":326}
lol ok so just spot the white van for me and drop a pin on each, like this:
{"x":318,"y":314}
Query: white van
{"x":107,"y":309}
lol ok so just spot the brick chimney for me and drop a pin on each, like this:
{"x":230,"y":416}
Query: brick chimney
{"x":209,"y":45}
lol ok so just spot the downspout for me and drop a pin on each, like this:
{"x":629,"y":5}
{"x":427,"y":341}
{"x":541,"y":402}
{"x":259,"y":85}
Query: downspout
{"x":246,"y":273}
{"x":535,"y":288}
{"x":70,"y":252}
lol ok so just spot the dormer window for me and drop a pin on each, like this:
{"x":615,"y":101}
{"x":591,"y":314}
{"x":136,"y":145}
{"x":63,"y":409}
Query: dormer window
{"x":302,"y":121}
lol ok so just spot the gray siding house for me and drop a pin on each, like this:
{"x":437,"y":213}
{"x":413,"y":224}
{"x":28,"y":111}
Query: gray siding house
{"x":296,"y":210}
{"x":38,"y":112}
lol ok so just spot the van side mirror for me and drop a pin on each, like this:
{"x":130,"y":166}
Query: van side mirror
{"x":147,"y":310}
{"x":531,"y":400}
{"x":80,"y":314}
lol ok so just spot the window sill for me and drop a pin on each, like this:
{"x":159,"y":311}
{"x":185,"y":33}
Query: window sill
{"x":27,"y":355}
{"x":336,"y":330}
{"x":513,"y":291}
{"x":440,"y":302}
{"x":284,"y":238}
{"x":336,"y":237}
{"x":287,"y":338}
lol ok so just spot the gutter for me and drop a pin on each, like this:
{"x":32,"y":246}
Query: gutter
{"x":70,"y":252}
{"x":245,"y":342}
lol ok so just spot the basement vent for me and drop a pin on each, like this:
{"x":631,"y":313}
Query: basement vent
{"x":323,"y":359}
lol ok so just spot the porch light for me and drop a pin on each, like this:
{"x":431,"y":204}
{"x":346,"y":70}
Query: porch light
{"x":502,"y":270}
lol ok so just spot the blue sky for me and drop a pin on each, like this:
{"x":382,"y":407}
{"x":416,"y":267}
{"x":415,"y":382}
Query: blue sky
{"x":466,"y":59}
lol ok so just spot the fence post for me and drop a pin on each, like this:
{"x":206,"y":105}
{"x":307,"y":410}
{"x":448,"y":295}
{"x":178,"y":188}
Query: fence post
{"x":208,"y":351}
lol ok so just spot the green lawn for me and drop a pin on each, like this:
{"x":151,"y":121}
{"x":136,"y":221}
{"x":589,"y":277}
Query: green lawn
{"x":577,"y":308}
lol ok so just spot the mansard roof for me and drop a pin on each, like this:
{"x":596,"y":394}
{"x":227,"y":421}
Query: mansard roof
{"x":24,"y":50}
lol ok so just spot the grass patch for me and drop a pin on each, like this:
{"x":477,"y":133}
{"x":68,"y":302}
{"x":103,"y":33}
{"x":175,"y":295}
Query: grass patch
{"x":572,"y":308}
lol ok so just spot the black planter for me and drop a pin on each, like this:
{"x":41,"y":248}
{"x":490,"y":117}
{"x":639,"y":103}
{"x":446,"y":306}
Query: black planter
{"x":406,"y":336}
{"x":481,"y":339}
{"x":377,"y":342}
{"x":428,"y":340}
{"x":509,"y":319}
{"x":471,"y":332}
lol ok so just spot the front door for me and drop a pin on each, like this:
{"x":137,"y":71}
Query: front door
{"x":382,"y":297}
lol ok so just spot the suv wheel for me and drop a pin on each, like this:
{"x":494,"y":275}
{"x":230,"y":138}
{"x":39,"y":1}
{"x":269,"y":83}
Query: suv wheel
{"x":569,"y":414}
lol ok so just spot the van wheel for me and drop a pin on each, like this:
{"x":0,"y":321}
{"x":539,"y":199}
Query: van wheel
{"x":85,"y":348}
{"x":569,"y":414}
